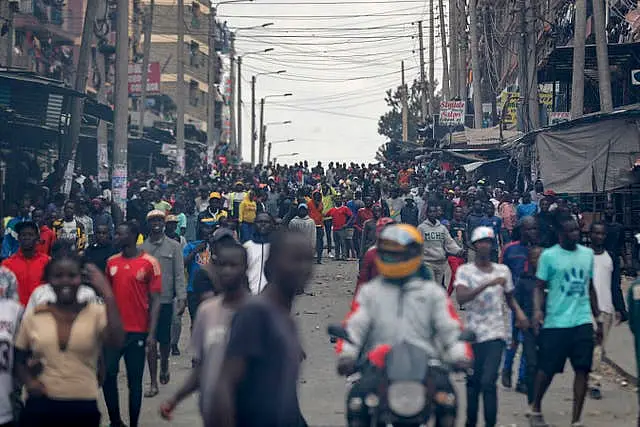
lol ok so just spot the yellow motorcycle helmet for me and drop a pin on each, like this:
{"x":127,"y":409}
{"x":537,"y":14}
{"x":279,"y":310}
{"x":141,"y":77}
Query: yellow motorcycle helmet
{"x":399,"y":251}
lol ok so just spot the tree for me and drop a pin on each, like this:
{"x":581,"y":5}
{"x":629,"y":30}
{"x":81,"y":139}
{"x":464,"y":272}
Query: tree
{"x":390,"y":123}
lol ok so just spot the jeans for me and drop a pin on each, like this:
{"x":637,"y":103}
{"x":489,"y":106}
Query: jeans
{"x":328,"y":225}
{"x":357,"y":236}
{"x":176,"y":326}
{"x":486,"y":364}
{"x":134,"y":352}
{"x":246,"y":231}
{"x":43,"y":411}
{"x":193,"y":301}
{"x":530,"y":353}
{"x":341,"y":243}
{"x":319,"y":242}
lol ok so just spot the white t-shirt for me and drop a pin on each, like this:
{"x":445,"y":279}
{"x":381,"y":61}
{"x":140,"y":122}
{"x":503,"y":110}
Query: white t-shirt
{"x":485,"y":314}
{"x":257,"y":255}
{"x":69,"y":231}
{"x":602,"y":275}
{"x":10,"y":314}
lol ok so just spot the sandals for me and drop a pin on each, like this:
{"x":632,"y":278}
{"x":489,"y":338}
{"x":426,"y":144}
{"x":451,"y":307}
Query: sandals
{"x":165,"y":377}
{"x":152,"y":392}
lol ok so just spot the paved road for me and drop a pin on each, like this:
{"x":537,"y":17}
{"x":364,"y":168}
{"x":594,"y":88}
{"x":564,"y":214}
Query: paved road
{"x":322,"y":392}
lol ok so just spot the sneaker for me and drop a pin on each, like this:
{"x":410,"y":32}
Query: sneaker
{"x":595,"y":393}
{"x":331,"y":254}
{"x":521,"y":387}
{"x":506,"y":379}
{"x":537,"y":420}
{"x":175,"y":351}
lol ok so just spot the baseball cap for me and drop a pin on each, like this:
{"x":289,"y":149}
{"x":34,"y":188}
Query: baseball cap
{"x":482,"y":233}
{"x":303,"y":205}
{"x":156,"y":214}
{"x":215,"y":195}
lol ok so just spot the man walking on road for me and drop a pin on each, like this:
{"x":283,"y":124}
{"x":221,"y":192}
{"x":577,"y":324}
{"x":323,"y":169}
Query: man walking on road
{"x":303,"y":223}
{"x":438,"y":243}
{"x":258,"y":252}
{"x":565,"y":271}
{"x":137,"y":283}
{"x":168,"y":253}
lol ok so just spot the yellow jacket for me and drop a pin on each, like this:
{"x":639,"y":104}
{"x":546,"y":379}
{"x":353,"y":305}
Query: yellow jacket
{"x":247,"y":211}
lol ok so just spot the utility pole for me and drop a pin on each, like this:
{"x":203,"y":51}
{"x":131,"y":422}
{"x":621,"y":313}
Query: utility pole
{"x":180,"y":92}
{"x":577,"y":83}
{"x":239,"y":107}
{"x":602,"y":53}
{"x":423,"y":83}
{"x":262,"y":131}
{"x":211,"y":82}
{"x":232,"y":103}
{"x":268,"y":153}
{"x":253,"y":120}
{"x":121,"y":101}
{"x":475,"y":64}
{"x":77,"y":102}
{"x":523,"y":68}
{"x":102,"y":134}
{"x":432,"y":59}
{"x":146,"y":52}
{"x":453,"y":43}
{"x":405,"y":109}
{"x":445,"y":61}
{"x":263,"y":140}
{"x":463,"y":44}
{"x":532,"y":62}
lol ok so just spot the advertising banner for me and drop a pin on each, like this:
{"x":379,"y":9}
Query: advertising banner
{"x":452,"y":113}
{"x":135,"y":78}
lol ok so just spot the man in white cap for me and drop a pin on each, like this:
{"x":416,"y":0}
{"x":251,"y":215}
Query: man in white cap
{"x":168,"y":252}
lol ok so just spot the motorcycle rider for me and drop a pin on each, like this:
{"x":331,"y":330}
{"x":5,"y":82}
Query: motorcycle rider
{"x":403,"y":304}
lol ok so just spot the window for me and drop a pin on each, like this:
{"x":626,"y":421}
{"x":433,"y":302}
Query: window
{"x":194,"y":53}
{"x":194,"y":93}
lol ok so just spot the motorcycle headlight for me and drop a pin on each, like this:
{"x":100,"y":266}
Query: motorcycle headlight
{"x":406,"y":398}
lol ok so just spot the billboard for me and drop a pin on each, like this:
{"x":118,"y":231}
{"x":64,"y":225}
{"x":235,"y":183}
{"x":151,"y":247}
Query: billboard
{"x":135,"y":78}
{"x":452,"y":113}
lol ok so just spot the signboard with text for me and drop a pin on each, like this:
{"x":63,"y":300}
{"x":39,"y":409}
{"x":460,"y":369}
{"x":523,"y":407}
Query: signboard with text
{"x":135,"y":78}
{"x":452,"y":113}
{"x":557,"y":117}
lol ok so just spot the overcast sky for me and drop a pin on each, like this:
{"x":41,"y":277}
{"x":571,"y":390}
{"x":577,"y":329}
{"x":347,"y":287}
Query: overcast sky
{"x":340,"y":57}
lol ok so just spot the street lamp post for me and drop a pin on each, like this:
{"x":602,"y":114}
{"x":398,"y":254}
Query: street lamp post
{"x":262,"y":127}
{"x":275,"y":159}
{"x":254,"y":133}
{"x":239,"y":90}
{"x":276,"y":142}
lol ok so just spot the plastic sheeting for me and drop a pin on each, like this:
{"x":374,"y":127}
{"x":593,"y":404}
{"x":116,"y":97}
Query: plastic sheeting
{"x":588,"y":157}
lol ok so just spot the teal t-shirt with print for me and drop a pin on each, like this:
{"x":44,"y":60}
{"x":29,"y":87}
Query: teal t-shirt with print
{"x":568,"y":275}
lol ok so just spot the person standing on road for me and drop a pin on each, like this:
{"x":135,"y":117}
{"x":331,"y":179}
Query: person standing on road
{"x":437,"y":244}
{"x":196,"y":255}
{"x":258,"y":252}
{"x":340,"y":216}
{"x":612,"y":310}
{"x":328,"y":193}
{"x":101,"y":250}
{"x":65,"y":390}
{"x":458,"y":231}
{"x":315,"y":212}
{"x":565,"y":271}
{"x":304,"y":224}
{"x":136,"y":280}
{"x":246,"y":216}
{"x":258,"y":380}
{"x":369,"y":231}
{"x":209,"y":335}
{"x":69,"y":228}
{"x":481,"y":287}
{"x":168,"y":253}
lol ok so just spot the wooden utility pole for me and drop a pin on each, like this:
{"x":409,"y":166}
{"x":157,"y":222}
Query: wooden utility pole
{"x":424,"y":101}
{"x":523,"y":73}
{"x":77,"y":102}
{"x":445,"y":61}
{"x":463,"y":44}
{"x":602,"y":52}
{"x":432,"y":59}
{"x":475,"y":64}
{"x":532,"y":65}
{"x":262,"y":131}
{"x":121,"y":101}
{"x":405,"y":109}
{"x":102,"y":134}
{"x":253,"y":120}
{"x":239,"y":107}
{"x":577,"y":83}
{"x":180,"y":92}
{"x":453,"y":52}
{"x":232,"y":101}
{"x":211,"y":82}
{"x":146,"y":52}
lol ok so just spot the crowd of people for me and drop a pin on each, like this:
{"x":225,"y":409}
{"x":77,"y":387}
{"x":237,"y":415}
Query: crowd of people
{"x":84,"y":284}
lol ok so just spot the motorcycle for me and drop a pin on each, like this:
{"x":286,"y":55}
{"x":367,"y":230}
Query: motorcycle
{"x":398,"y":385}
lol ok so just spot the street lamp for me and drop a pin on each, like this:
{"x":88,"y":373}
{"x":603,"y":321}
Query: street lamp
{"x":262,"y":127}
{"x":281,"y":141}
{"x":254,"y":27}
{"x":239,"y":94}
{"x":275,"y":159}
{"x":287,"y":122}
{"x":254,"y":134}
